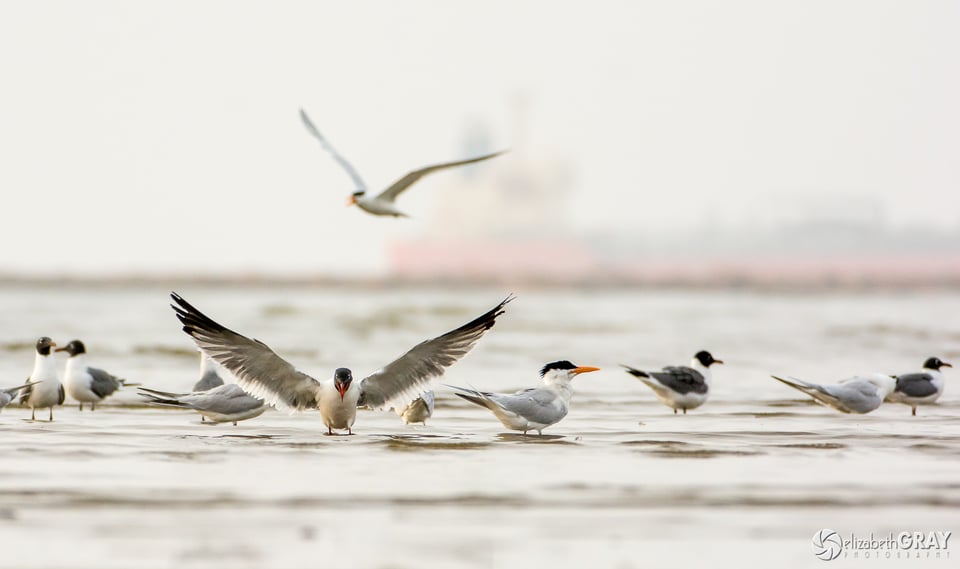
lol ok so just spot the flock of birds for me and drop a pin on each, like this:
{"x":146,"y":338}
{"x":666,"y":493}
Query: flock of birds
{"x":265,"y":379}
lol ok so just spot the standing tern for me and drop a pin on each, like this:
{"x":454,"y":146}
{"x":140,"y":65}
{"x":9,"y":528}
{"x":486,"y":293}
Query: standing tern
{"x":418,"y":410}
{"x":532,"y":409}
{"x":225,"y":404}
{"x":45,"y":389}
{"x":209,"y":378}
{"x":9,"y":394}
{"x":680,"y":387}
{"x":264,"y":374}
{"x":382,"y":203}
{"x":921,"y":388}
{"x":84,"y":383}
{"x":860,"y":394}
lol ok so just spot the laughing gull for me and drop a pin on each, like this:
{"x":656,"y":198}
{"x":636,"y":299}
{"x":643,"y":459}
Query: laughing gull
{"x":532,"y":409}
{"x":46,"y":389}
{"x":84,"y":383}
{"x":382,"y":204}
{"x":209,"y":378}
{"x":225,"y":404}
{"x":418,"y":410}
{"x":264,"y":374}
{"x":921,"y":388}
{"x":860,"y":394}
{"x":9,"y":394}
{"x":680,"y":387}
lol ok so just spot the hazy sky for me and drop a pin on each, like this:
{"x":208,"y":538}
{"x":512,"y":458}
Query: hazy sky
{"x":141,"y":136}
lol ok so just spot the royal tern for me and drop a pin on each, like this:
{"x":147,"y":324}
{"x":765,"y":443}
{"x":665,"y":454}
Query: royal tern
{"x":680,"y":387}
{"x":209,"y":378}
{"x":9,"y":394}
{"x":921,"y":388}
{"x":532,"y":409}
{"x":418,"y":410}
{"x":225,"y":404}
{"x":84,"y":383}
{"x":382,"y":203}
{"x":264,"y":374}
{"x":45,"y":389}
{"x":860,"y":394}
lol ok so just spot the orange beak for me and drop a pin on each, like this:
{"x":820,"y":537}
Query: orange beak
{"x":342,"y":390}
{"x":584,"y":369}
{"x":351,"y":201}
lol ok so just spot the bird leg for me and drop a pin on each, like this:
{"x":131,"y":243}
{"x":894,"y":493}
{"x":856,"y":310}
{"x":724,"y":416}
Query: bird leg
{"x":914,"y":413}
{"x":203,"y":419}
{"x":33,"y":414}
{"x":674,"y":411}
{"x":93,"y":406}
{"x":684,"y":410}
{"x":234,"y":423}
{"x":81,"y":405}
{"x":349,"y":430}
{"x":330,"y":430}
{"x":51,"y":414}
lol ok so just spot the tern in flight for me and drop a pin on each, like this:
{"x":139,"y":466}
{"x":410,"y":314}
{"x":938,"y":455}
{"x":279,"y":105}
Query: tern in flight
{"x":921,"y":388}
{"x":532,"y":409}
{"x":681,"y":387}
{"x":382,"y":203}
{"x":262,"y":373}
{"x":854,"y":395}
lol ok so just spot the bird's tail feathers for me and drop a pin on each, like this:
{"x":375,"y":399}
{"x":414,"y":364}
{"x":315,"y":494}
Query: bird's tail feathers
{"x":635,"y":372}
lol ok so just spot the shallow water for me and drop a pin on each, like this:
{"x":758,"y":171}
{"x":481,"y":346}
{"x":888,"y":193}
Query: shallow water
{"x":622,"y":482}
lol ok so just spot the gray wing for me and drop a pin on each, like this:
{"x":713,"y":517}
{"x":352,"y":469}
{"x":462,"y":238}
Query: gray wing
{"x":403,"y":379}
{"x":103,"y":383}
{"x":681,"y":379}
{"x":535,"y":405}
{"x":916,"y":384}
{"x":405,"y":182}
{"x":257,"y":368}
{"x":357,"y":180}
{"x":208,"y":381}
{"x":226,"y":400}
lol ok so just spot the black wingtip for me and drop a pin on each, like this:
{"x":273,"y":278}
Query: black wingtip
{"x":634,"y":371}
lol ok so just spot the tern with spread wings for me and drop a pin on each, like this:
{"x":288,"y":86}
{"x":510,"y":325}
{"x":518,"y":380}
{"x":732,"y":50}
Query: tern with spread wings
{"x":382,"y":203}
{"x":262,"y":373}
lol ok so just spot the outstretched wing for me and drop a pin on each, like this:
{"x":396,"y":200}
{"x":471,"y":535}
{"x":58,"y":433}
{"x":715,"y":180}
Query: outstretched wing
{"x":403,"y":379}
{"x":405,"y":182}
{"x":258,"y":369}
{"x":357,"y":180}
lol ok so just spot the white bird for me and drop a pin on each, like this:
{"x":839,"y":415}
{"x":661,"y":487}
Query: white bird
{"x":418,"y":410}
{"x":84,"y":383}
{"x":9,"y":394}
{"x":263,"y":373}
{"x":382,"y":204}
{"x":45,"y":389}
{"x":921,"y":388}
{"x":680,"y":387}
{"x":532,"y":409}
{"x":209,"y":378}
{"x":859,"y":394}
{"x":224,"y":404}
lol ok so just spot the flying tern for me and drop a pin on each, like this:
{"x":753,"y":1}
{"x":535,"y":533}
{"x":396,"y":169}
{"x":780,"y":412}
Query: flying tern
{"x":382,"y":203}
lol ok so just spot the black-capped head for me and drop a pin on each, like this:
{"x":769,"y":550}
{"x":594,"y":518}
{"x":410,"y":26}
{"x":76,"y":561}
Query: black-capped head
{"x":342,"y":378}
{"x":74,"y":348}
{"x":706,"y":359}
{"x":935,"y":363}
{"x":565,"y":365}
{"x":44,"y":345}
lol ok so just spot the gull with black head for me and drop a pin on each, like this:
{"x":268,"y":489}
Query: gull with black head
{"x":536,"y":408}
{"x":680,"y":387}
{"x":923,"y":388}
{"x":44,"y":388}
{"x":84,"y":383}
{"x":261,"y":372}
{"x":382,"y":203}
